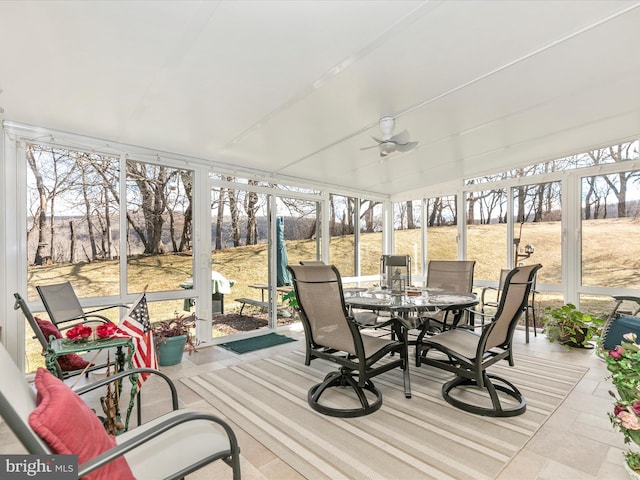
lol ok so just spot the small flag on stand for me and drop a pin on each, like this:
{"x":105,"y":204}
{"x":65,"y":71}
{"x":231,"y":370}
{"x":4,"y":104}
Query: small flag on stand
{"x":137,"y":324}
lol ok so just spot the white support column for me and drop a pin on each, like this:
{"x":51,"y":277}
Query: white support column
{"x":356,"y":237}
{"x":461,"y":235}
{"x":13,"y":244}
{"x":571,"y":239}
{"x":326,"y":221}
{"x":387,"y":227}
{"x":202,"y":248}
{"x":272,"y":213}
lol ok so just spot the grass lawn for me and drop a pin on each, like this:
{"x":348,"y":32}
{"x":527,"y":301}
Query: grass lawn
{"x":608,"y":262}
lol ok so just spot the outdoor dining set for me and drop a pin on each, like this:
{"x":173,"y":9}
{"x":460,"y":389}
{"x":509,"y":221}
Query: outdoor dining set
{"x":361,"y":328}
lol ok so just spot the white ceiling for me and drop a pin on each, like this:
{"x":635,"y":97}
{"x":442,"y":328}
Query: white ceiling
{"x":296,"y":89}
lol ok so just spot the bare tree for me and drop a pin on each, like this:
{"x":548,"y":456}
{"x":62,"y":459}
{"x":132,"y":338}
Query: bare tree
{"x":151,"y":181}
{"x":219,"y":219}
{"x":251,"y":208}
{"x":235,"y":214}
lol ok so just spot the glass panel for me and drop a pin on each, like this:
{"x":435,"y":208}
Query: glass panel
{"x":341,"y":229}
{"x":597,"y":305}
{"x":33,"y":350}
{"x":537,"y":234}
{"x":159,"y":227}
{"x":442,"y":220}
{"x":407,"y":233}
{"x":299,"y":223}
{"x":613,"y":154}
{"x":370,"y":237}
{"x":487,"y":232}
{"x":73,"y":220}
{"x":610,"y":230}
{"x":240,"y":229}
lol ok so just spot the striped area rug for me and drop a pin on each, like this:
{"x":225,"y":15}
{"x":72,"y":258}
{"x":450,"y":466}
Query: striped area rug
{"x":418,"y":438}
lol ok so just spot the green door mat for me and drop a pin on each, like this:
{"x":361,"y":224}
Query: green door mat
{"x":257,"y":343}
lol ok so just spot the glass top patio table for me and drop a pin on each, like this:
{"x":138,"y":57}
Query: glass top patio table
{"x":434,"y":300}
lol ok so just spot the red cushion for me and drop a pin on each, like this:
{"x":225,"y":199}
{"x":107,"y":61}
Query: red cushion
{"x":69,"y":362}
{"x":70,"y":427}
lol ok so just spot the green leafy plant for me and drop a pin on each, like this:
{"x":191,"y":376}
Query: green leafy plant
{"x":180,"y":325}
{"x":290,"y":298}
{"x":623,"y":363}
{"x":570,"y":326}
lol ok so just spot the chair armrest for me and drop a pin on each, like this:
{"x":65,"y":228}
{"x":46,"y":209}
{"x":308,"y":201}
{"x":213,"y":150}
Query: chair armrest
{"x":484,"y":291}
{"x":91,"y":316}
{"x":127,"y":373}
{"x":85,"y":320}
{"x":106,"y":308}
{"x":153,"y":433}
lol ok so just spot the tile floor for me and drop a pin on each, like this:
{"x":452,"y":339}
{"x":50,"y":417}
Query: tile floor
{"x":577,"y":441}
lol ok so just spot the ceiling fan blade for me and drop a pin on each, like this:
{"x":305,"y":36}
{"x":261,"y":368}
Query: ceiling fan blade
{"x":378,"y":140}
{"x":405,"y":147}
{"x":367,"y":148}
{"x":400,"y":138}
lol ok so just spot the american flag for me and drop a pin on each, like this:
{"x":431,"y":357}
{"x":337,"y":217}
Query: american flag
{"x":136,"y":323}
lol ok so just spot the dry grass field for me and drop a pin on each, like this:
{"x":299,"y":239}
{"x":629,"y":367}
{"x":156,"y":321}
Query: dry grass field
{"x":610,"y":248}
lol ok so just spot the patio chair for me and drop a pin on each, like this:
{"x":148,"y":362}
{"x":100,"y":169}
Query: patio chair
{"x":492,"y":303}
{"x":390,"y":265}
{"x":624,"y":318}
{"x":53,"y":419}
{"x":63,"y":306}
{"x":453,"y":276}
{"x":67,"y":365}
{"x":468,"y":354}
{"x":333,"y":335}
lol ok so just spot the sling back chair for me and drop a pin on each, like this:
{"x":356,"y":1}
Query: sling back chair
{"x":468,"y":354}
{"x":67,"y":365}
{"x":452,"y":276}
{"x":63,"y":306}
{"x":333,"y":335}
{"x":53,"y":418}
{"x":492,"y":303}
{"x":442,"y":276}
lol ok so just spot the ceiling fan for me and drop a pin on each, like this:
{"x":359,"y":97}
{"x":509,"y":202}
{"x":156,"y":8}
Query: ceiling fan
{"x":390,"y":143}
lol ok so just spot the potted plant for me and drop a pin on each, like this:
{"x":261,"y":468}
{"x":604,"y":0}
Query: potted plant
{"x":172,"y":337}
{"x":571,"y":327}
{"x":623,"y":363}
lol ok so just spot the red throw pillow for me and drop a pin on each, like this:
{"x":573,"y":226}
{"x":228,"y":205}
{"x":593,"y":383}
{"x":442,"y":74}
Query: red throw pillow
{"x":70,"y":427}
{"x":69,"y":362}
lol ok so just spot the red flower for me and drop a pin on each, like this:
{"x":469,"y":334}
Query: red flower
{"x":79,"y":332}
{"x":617,"y":409}
{"x":106,"y":330}
{"x":617,"y":353}
{"x":636,"y":407}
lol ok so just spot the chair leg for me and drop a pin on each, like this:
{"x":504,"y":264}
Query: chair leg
{"x":344,"y":378}
{"x":492,"y":387}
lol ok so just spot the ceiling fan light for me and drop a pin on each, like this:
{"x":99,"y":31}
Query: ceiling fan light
{"x":386,"y":148}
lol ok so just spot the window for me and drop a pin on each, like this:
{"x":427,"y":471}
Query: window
{"x":72,"y":220}
{"x":159,"y":227}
